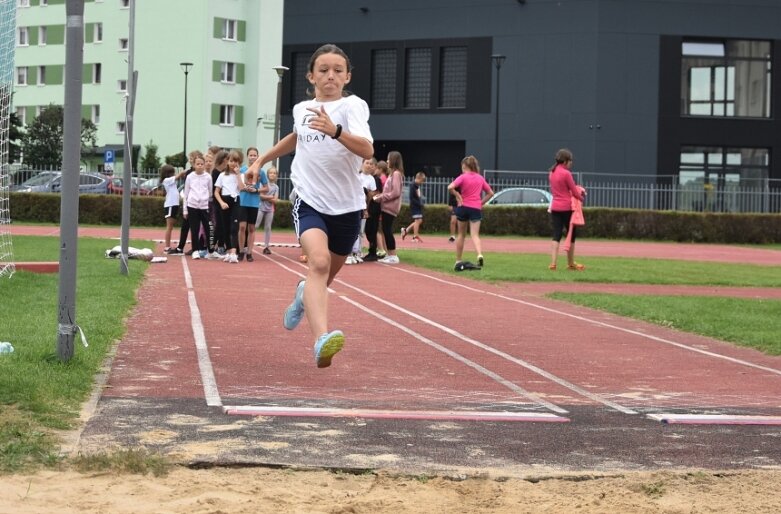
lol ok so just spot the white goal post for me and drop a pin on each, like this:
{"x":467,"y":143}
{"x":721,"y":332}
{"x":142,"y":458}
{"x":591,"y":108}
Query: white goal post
{"x":7,"y":49}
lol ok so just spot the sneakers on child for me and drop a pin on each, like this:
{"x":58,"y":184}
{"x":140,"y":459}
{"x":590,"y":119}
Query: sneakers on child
{"x":234,"y":259}
{"x":390,"y":259}
{"x":176,"y":251}
{"x":381,"y":254}
{"x":213,"y":256}
{"x":403,"y":233}
{"x":350,"y":260}
{"x":226,"y":257}
{"x":452,"y":239}
{"x":370,"y":257}
{"x":266,"y":251}
{"x":295,"y":311}
{"x":358,"y":258}
{"x":416,"y":239}
{"x":250,"y":258}
{"x":196,"y":256}
{"x":326,"y":346}
{"x":203,"y":254}
{"x":480,"y":260}
{"x":241,"y":256}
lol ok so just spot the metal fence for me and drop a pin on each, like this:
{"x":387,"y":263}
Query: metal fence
{"x":626,"y":191}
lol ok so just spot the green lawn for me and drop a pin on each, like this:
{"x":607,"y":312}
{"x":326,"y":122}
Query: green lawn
{"x":38,"y":393}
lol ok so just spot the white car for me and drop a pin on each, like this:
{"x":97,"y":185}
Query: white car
{"x":521,"y":196}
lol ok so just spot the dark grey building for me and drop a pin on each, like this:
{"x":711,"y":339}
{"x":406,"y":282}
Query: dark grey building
{"x":682,"y":90}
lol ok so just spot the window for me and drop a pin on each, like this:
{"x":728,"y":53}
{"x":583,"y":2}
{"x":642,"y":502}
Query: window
{"x":452,"y":77}
{"x":123,"y":44}
{"x":23,"y":36}
{"x":41,"y":75}
{"x":120,"y":127}
{"x":21,"y":113}
{"x":95,"y":114}
{"x":42,"y":36}
{"x":98,"y":33}
{"x":383,"y":81}
{"x":23,"y":3}
{"x":122,"y":85}
{"x":417,"y":84}
{"x":730,"y":78}
{"x":21,"y":76}
{"x":710,"y":177}
{"x":226,"y":115}
{"x":97,"y":68}
{"x":229,"y":30}
{"x":300,"y":84}
{"x":44,"y":3}
{"x":124,"y":4}
{"x":228,"y":73}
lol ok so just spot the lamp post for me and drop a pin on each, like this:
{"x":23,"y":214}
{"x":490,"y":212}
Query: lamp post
{"x":498,"y":60}
{"x":277,"y":122}
{"x":186,"y":69}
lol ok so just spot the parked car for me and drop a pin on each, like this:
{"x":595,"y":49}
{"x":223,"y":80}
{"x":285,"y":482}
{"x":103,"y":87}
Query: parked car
{"x":51,"y":182}
{"x":115,"y":186}
{"x":521,"y":196}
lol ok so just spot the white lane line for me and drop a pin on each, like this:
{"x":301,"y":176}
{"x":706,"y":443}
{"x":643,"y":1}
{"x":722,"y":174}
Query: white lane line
{"x":463,"y":360}
{"x":520,"y":362}
{"x":602,"y":324}
{"x":431,"y":415}
{"x":531,"y":367}
{"x":715,"y":419}
{"x":204,"y":362}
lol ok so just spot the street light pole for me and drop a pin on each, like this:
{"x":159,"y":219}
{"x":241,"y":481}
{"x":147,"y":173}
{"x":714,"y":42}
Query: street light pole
{"x":277,"y":121}
{"x":498,"y":60}
{"x":186,"y":69}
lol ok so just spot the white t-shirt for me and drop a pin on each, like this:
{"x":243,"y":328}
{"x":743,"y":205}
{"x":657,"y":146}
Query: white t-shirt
{"x":228,"y":184}
{"x":171,"y":192}
{"x":368,"y":183}
{"x":323,"y":170}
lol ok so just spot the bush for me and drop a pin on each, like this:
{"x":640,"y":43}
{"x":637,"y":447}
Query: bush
{"x":606,"y":223}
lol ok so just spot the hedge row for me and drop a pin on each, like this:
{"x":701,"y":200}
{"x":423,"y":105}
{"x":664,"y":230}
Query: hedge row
{"x":521,"y":221}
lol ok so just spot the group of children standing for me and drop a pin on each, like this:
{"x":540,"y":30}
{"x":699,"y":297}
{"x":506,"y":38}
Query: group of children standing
{"x":223,"y":202}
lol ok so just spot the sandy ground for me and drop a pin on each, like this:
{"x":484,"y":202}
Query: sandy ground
{"x":256,"y":490}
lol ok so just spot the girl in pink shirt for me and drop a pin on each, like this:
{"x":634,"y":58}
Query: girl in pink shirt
{"x":468,"y":190}
{"x":563,"y":189}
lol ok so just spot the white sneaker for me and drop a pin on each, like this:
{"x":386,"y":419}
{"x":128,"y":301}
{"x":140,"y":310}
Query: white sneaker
{"x":213,"y":256}
{"x":358,"y":258}
{"x":196,"y":256}
{"x":226,"y":257}
{"x":234,"y":259}
{"x":390,"y":259}
{"x":350,"y":260}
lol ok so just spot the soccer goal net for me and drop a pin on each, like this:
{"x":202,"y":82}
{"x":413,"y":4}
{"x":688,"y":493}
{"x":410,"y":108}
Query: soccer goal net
{"x":7,"y":48}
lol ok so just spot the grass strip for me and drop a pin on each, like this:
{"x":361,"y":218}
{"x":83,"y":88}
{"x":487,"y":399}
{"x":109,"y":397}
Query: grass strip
{"x":754,"y":323}
{"x":515,"y":267}
{"x":38,"y":393}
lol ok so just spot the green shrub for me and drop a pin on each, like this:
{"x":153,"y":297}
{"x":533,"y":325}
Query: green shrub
{"x":606,"y":223}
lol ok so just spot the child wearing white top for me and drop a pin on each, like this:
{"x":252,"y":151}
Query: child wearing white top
{"x":171,"y":203}
{"x":226,"y":194}
{"x":331,"y":137}
{"x":197,"y":193}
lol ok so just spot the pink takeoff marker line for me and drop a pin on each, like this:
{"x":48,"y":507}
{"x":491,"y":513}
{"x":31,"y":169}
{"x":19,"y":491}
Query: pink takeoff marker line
{"x":249,"y":410}
{"x":715,"y":419}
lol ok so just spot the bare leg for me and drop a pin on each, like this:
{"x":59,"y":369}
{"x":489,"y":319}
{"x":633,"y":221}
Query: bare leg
{"x":416,"y":227}
{"x":571,"y":255}
{"x":242,"y":235}
{"x":323,"y":267}
{"x":460,"y":240}
{"x":554,"y":252}
{"x":169,"y":227}
{"x":474,"y":233}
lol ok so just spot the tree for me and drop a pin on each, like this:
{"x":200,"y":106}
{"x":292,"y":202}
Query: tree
{"x":15,"y":134}
{"x":150,"y":161}
{"x":42,"y":143}
{"x":177,"y":159}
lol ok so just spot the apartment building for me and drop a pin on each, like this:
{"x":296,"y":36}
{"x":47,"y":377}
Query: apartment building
{"x":231,"y":45}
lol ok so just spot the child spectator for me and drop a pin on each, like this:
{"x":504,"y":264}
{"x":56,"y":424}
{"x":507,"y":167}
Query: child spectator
{"x":171,"y":203}
{"x":468,"y":189}
{"x":268,"y":201}
{"x":197,"y":193}
{"x":415,"y":208}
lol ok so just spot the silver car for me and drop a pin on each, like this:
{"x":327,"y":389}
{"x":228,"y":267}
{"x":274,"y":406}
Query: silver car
{"x":521,"y":196}
{"x":51,"y":182}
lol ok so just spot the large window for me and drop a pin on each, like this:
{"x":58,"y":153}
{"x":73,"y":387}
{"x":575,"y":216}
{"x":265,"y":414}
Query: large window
{"x":417,"y":79}
{"x":228,"y":72}
{"x":383,"y":92}
{"x":227,"y":115}
{"x":712,"y":178}
{"x":452,"y":77}
{"x":729,"y":78}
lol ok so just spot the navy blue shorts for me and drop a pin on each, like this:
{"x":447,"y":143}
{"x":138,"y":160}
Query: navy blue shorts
{"x":342,"y":230}
{"x":468,"y":214}
{"x":416,"y":212}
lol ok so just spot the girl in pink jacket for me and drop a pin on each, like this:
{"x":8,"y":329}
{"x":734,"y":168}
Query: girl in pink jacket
{"x":390,"y":203}
{"x":563,"y":189}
